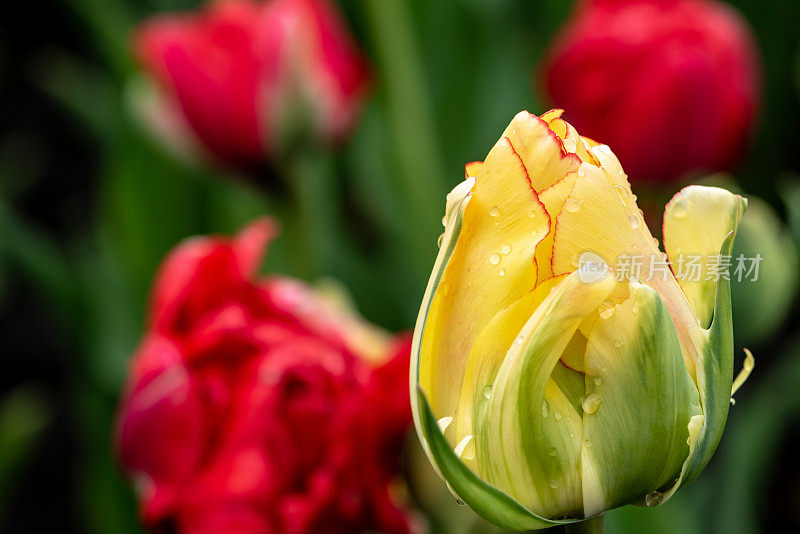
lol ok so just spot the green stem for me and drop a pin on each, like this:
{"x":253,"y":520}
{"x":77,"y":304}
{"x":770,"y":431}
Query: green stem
{"x":411,"y":115}
{"x":595,"y":525}
{"x":308,"y":174}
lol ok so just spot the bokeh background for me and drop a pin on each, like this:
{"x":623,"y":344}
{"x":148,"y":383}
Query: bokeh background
{"x":91,"y":201}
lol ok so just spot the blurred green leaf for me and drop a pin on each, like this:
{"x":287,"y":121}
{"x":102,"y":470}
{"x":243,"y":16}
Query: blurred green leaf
{"x":84,"y":90}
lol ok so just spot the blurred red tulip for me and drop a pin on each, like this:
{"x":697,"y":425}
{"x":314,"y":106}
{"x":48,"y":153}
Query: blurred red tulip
{"x":258,"y":406}
{"x":672,"y":85}
{"x":248,"y":77}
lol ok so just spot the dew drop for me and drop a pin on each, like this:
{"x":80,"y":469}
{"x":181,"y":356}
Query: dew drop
{"x":680,"y":208}
{"x":545,"y":409}
{"x":502,"y":272}
{"x":635,"y":308}
{"x":607,"y":314}
{"x":653,"y":498}
{"x":440,"y":241}
{"x":581,"y":171}
{"x":531,"y":213}
{"x":557,"y":416}
{"x":494,"y":259}
{"x":504,"y":142}
{"x":622,"y":193}
{"x":591,"y":403}
{"x":588,"y":444}
{"x":465,"y":448}
{"x":519,"y":339}
{"x":634,"y":222}
{"x":506,"y":249}
{"x":552,"y":451}
{"x":733,"y":401}
{"x":598,"y":381}
{"x":572,"y":205}
{"x":534,"y":233}
{"x":487,"y":392}
{"x":443,"y":423}
{"x":572,"y":434}
{"x":494,"y":211}
{"x":460,"y":502}
{"x":554,"y":483}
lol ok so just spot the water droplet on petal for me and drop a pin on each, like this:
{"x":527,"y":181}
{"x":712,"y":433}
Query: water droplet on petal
{"x":552,"y":451}
{"x":531,"y":213}
{"x":504,"y":142}
{"x":557,"y":416}
{"x":534,"y":233}
{"x":572,"y":434}
{"x":554,"y":483}
{"x":494,"y":211}
{"x":502,"y":272}
{"x":443,"y":423}
{"x":634,"y":222}
{"x":622,"y":193}
{"x":581,"y":171}
{"x":680,"y":208}
{"x":608,"y":313}
{"x":440,"y":241}
{"x":598,"y":381}
{"x":588,"y":444}
{"x":460,"y":502}
{"x":494,"y":259}
{"x":653,"y":498}
{"x":487,"y":392}
{"x":545,"y":409}
{"x":572,"y":205}
{"x":591,"y":403}
{"x":506,"y":249}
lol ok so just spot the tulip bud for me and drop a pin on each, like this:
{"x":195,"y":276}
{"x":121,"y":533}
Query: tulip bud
{"x":550,"y":382}
{"x":670,"y":84}
{"x":249,"y":78}
{"x":760,"y":305}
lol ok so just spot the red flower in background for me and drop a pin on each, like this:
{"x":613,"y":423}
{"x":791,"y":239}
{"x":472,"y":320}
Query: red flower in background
{"x":670,"y":84}
{"x":258,"y":406}
{"x":248,"y":75}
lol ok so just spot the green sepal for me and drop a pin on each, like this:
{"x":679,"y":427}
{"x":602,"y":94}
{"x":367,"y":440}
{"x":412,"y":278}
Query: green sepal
{"x":714,"y":380}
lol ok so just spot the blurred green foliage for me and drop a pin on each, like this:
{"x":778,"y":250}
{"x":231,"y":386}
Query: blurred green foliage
{"x":449,"y":76}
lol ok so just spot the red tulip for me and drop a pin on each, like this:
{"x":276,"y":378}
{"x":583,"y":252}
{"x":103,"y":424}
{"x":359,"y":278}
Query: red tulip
{"x":254,"y":405}
{"x":670,"y":84}
{"x":246,"y":76}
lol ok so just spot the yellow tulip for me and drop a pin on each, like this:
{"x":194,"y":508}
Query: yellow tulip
{"x":549,"y":382}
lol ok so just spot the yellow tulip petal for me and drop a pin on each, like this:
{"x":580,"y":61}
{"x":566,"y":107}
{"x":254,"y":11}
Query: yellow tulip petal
{"x":488,"y":353}
{"x":472,"y":168}
{"x":696,"y":222}
{"x":492,"y":265}
{"x":541,"y":150}
{"x":600,"y":216}
{"x":525,"y":448}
